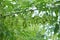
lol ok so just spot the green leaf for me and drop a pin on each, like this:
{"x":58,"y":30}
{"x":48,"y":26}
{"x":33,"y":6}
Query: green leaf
{"x":56,"y":28}
{"x":59,"y":35}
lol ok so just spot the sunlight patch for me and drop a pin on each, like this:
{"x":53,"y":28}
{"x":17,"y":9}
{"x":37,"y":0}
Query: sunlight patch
{"x":13,"y":2}
{"x":42,"y":13}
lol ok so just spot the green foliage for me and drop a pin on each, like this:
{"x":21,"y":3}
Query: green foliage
{"x":17,"y":23}
{"x":56,"y":28}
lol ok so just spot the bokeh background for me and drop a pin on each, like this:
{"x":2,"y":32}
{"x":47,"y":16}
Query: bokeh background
{"x":29,"y":19}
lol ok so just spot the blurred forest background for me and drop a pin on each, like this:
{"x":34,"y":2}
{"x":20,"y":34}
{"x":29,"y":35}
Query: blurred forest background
{"x":29,"y":19}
